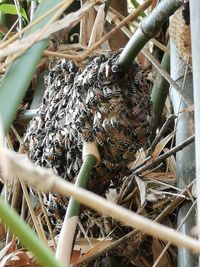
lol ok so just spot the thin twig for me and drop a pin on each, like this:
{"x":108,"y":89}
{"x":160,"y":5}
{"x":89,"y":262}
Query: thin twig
{"x":47,"y":219}
{"x":166,"y":75}
{"x":59,"y":55}
{"x":169,"y":244}
{"x":158,"y":137}
{"x":141,"y":163}
{"x":167,"y":154}
{"x":146,"y":166}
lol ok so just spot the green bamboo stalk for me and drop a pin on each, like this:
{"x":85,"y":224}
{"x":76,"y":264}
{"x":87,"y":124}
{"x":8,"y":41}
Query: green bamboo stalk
{"x":149,"y":28}
{"x":136,"y":5}
{"x":159,"y":94}
{"x":107,"y":5}
{"x":25,"y":116}
{"x":28,"y":238}
{"x":81,"y":181}
{"x":66,"y":239}
{"x":18,"y":77}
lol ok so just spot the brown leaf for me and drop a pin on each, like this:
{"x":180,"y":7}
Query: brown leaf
{"x":2,"y":231}
{"x":153,"y":4}
{"x":158,"y":175}
{"x":17,"y":258}
{"x":157,"y":248}
{"x":142,"y":188}
{"x":160,"y":146}
{"x":101,"y":245}
{"x":171,"y":162}
{"x":140,"y":157}
{"x":9,"y":248}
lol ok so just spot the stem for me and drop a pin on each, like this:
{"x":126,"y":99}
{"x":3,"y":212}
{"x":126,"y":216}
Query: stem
{"x":66,"y":239}
{"x":148,"y":29}
{"x":136,"y":5}
{"x":195,"y":24}
{"x":167,"y":154}
{"x":159,"y":94}
{"x":28,"y":238}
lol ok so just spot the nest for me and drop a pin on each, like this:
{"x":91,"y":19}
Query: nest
{"x":180,"y":32}
{"x":95,"y":104}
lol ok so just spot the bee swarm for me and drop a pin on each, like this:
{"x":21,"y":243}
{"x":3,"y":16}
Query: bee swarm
{"x":94,"y":104}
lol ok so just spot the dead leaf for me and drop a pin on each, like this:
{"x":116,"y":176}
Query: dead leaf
{"x":153,"y":4}
{"x":171,"y":162}
{"x":161,"y":176}
{"x":17,"y":258}
{"x":2,"y":231}
{"x":160,"y":146}
{"x":101,"y":245}
{"x":140,"y":157}
{"x":157,"y":248}
{"x":98,"y":27}
{"x":142,"y":188}
{"x":194,"y":189}
{"x":112,"y":195}
{"x":9,"y":248}
{"x":76,"y":255}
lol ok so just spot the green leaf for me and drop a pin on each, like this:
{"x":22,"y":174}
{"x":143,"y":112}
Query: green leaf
{"x":11,"y":9}
{"x":1,"y":35}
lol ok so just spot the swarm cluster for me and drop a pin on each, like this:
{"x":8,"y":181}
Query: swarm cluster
{"x":97,"y":103}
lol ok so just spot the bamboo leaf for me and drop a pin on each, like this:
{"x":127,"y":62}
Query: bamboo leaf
{"x":18,"y":77}
{"x":11,"y":9}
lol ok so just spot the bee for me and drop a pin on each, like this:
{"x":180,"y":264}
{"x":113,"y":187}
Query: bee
{"x":90,"y":98}
{"x":109,"y":165}
{"x":117,"y":91}
{"x":60,"y":115}
{"x":123,"y":146}
{"x":87,"y":136}
{"x":100,"y":138}
{"x":140,"y":143}
{"x":105,"y":107}
{"x":60,"y":136}
{"x":60,"y":94}
{"x":91,"y":78}
{"x":107,"y":92}
{"x":108,"y":68}
{"x":64,"y":64}
{"x":56,"y":143}
{"x":115,"y":68}
{"x":33,"y":144}
{"x":129,"y":155}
